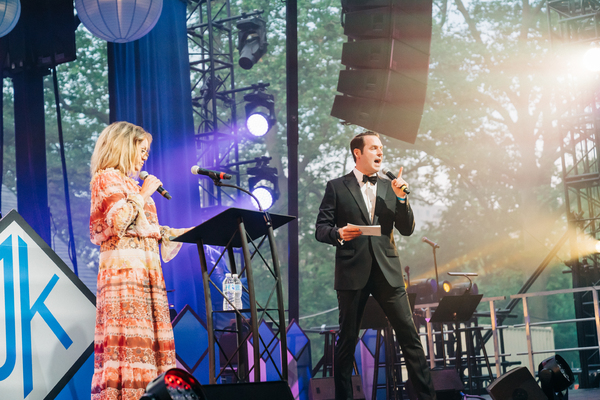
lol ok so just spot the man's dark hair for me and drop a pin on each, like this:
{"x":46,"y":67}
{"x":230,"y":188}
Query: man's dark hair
{"x":358,"y":142}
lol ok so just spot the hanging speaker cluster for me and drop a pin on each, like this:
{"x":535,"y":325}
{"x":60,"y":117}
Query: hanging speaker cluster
{"x":387,"y":63}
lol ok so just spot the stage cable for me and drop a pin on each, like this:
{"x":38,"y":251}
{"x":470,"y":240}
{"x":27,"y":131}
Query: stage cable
{"x":71,"y":245}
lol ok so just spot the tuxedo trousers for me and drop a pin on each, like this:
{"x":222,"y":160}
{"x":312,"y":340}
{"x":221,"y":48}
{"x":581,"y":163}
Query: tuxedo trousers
{"x":395,"y":305}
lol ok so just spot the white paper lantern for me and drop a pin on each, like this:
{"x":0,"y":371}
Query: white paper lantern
{"x":10,"y":11}
{"x":119,"y":21}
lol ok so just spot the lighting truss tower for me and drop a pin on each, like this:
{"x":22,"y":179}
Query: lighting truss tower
{"x":575,"y":23}
{"x":211,"y":42}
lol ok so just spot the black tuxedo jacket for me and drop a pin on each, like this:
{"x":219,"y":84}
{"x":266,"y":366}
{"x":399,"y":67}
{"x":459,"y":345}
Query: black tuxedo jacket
{"x":342,"y":204}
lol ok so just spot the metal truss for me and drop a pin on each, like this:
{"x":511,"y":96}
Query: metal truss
{"x":575,"y":23}
{"x":574,"y":20}
{"x":210,"y":26}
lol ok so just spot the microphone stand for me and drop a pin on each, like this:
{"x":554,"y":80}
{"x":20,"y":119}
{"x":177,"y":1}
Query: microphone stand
{"x":437,"y":279}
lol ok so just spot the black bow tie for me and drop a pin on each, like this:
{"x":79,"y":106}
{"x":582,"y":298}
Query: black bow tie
{"x":372,"y":179}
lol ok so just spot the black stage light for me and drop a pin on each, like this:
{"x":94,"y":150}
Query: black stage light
{"x":555,"y":376}
{"x":252,"y":41}
{"x":175,"y":384}
{"x":264,"y":182}
{"x":446,"y":287}
{"x":425,"y":289}
{"x":260,"y":112}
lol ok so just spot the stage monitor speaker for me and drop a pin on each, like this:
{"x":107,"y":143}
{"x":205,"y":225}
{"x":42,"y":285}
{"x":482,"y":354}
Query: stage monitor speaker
{"x":324,"y":388}
{"x":276,"y":390}
{"x":516,"y":384}
{"x":387,"y":60}
{"x":446,"y":382}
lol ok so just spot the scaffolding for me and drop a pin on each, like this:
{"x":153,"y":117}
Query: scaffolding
{"x":575,"y":23}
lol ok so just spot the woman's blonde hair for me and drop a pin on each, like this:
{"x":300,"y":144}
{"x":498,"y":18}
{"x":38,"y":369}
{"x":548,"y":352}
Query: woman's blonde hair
{"x":117,"y":147}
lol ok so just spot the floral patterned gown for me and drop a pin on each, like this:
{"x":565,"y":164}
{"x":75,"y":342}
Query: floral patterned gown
{"x":134,"y":338}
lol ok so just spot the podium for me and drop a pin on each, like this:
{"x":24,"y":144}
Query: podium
{"x":238,"y":228}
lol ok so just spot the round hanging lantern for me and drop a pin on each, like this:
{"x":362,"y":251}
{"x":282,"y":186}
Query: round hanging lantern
{"x":10,"y":11}
{"x":119,"y":21}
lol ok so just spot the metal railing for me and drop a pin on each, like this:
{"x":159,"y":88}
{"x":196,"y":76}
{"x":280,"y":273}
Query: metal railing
{"x":495,"y":329}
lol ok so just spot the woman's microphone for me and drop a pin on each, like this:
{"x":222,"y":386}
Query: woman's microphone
{"x":161,"y":190}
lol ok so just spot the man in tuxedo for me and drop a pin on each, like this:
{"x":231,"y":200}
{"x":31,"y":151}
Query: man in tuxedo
{"x":367,"y":265}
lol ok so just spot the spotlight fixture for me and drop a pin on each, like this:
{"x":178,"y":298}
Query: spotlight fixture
{"x":555,"y":376}
{"x":265,"y":197}
{"x":263,"y":183}
{"x":446,"y":287}
{"x":174,"y":384}
{"x":252,"y":40}
{"x":260,"y":112}
{"x":425,"y":290}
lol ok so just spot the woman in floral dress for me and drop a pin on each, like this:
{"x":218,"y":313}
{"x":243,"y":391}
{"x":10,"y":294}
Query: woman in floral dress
{"x":134,"y":338}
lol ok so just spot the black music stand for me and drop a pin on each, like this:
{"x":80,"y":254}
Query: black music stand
{"x":234,"y":228}
{"x":454,"y":310}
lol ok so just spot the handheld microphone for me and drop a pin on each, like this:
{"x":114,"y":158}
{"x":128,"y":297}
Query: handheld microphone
{"x":161,"y":190}
{"x":429,"y":242}
{"x":390,"y":175}
{"x":196,"y":170}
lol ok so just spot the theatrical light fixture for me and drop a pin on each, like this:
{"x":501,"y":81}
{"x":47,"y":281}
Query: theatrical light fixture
{"x":175,"y":384}
{"x":425,"y":289}
{"x":263,"y":183}
{"x":265,"y":197}
{"x":252,"y":41}
{"x":260,"y":112}
{"x":446,"y":287}
{"x":555,"y":376}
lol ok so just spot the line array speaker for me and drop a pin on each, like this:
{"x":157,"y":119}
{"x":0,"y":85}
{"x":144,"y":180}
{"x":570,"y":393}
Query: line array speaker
{"x":43,"y":37}
{"x":387,"y":63}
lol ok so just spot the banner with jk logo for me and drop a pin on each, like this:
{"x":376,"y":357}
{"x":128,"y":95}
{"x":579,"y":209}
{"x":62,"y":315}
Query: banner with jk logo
{"x":47,"y":316}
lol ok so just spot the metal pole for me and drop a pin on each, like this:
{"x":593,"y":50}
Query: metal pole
{"x":291,"y":28}
{"x":280,"y":305}
{"x":495,"y":337}
{"x":528,"y":335}
{"x":430,"y":339}
{"x":253,"y":315}
{"x":209,"y":311}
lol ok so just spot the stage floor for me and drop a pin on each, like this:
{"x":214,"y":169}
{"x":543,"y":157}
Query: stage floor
{"x":581,"y":394}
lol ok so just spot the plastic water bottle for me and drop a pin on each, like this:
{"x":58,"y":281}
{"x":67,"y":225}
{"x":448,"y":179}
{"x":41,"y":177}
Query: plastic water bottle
{"x":237,"y":284}
{"x":228,"y":292}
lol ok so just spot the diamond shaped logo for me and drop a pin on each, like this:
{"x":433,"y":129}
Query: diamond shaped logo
{"x":47,"y":316}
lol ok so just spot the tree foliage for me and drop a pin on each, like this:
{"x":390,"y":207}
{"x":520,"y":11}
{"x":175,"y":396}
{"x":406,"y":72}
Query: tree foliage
{"x":486,"y":152}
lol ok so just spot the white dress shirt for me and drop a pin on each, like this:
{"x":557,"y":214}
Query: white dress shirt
{"x":368,"y":191}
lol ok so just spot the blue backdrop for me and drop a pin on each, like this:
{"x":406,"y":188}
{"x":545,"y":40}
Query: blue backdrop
{"x":149,"y":85}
